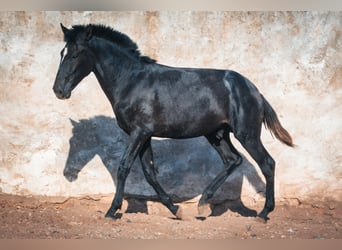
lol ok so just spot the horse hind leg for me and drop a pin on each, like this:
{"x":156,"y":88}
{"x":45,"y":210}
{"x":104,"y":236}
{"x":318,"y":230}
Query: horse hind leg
{"x":231,"y":159}
{"x":146,"y":158}
{"x":252,"y":143}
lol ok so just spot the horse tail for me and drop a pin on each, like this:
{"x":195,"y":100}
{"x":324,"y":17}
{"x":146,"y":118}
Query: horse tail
{"x":272,"y":123}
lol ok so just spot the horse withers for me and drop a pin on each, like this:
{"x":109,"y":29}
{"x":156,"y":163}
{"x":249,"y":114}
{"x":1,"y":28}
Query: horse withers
{"x":154,"y":100}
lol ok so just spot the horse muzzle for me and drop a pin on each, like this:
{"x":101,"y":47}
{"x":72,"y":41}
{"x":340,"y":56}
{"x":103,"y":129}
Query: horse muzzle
{"x":70,"y":175}
{"x":62,"y":93}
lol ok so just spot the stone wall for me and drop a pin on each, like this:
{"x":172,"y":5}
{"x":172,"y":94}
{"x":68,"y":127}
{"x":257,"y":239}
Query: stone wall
{"x":294,"y":58}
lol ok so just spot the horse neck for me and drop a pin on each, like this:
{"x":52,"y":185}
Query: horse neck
{"x":112,"y":67}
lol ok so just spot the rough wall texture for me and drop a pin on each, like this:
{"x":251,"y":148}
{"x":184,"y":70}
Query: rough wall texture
{"x":294,"y":58}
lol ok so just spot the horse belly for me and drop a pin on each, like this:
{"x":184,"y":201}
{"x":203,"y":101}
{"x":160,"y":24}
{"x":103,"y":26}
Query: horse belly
{"x":188,"y":125}
{"x":195,"y":111}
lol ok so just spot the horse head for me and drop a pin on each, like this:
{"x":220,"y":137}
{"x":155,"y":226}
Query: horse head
{"x":76,"y":61}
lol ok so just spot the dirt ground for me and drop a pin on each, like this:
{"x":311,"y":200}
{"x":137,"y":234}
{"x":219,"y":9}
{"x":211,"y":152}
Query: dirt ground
{"x":81,"y":218}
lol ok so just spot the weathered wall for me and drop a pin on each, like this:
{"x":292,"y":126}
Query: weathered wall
{"x":294,"y":58}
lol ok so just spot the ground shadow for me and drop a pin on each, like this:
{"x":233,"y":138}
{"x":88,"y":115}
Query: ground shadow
{"x":185,"y":167}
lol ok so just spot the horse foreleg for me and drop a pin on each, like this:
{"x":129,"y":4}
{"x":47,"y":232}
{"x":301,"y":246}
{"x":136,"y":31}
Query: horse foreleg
{"x":138,"y":139}
{"x":146,"y":158}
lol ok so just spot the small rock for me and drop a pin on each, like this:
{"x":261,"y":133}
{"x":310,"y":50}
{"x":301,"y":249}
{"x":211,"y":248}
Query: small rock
{"x":331,"y":206}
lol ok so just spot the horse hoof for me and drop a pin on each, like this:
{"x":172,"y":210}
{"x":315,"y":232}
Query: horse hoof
{"x":109,"y":215}
{"x":261,"y":219}
{"x":179,"y":213}
{"x":204,"y":210}
{"x":112,"y":214}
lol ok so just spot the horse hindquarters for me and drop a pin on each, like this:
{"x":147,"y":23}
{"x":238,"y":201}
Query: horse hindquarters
{"x":247,"y":112}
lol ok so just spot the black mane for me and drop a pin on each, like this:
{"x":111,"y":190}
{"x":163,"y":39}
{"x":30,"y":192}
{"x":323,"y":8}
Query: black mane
{"x":111,"y":35}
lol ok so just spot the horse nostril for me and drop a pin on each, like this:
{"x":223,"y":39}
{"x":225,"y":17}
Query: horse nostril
{"x":58,"y":91}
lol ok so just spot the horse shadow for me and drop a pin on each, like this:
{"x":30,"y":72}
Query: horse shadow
{"x":185,"y":167}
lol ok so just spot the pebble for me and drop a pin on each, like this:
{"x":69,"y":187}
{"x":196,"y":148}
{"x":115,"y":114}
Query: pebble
{"x":331,"y":206}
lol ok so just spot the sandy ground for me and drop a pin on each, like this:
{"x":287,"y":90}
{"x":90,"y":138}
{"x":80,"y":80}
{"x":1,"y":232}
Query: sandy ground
{"x":82,"y":218}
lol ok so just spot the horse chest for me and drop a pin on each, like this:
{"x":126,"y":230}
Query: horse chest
{"x":131,"y":116}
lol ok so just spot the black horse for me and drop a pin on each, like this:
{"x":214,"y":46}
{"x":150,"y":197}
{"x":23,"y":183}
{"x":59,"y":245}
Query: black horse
{"x":150,"y":99}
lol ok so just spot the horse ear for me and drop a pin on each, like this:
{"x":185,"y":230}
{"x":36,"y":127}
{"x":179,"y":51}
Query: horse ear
{"x":89,"y":32}
{"x":73,"y":122}
{"x":64,"y":29}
